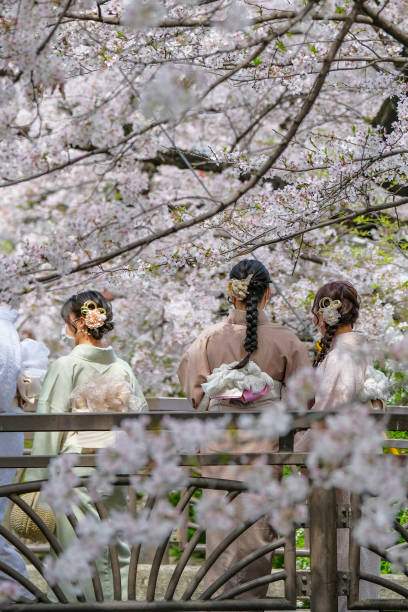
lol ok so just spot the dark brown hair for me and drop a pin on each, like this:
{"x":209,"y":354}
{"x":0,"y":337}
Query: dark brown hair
{"x":74,"y":304}
{"x":349,"y":310}
{"x":258,"y":284}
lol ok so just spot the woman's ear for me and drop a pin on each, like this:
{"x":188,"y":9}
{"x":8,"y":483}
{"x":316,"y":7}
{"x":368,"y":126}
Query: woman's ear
{"x":77,"y":324}
{"x":81,"y":323}
{"x":264,"y":299}
{"x":266,"y":296}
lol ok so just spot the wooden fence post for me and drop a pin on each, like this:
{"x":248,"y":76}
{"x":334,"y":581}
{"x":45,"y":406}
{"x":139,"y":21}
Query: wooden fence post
{"x":323,"y":550}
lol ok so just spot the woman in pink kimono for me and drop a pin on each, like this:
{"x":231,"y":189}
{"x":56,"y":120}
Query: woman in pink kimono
{"x":346,"y":375}
{"x":241,"y":363}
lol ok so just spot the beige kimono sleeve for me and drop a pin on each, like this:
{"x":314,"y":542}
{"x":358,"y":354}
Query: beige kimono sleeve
{"x":342,"y":380}
{"x":297,"y":357}
{"x":194,"y":369}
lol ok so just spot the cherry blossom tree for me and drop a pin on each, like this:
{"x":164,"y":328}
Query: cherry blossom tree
{"x":147,"y":145}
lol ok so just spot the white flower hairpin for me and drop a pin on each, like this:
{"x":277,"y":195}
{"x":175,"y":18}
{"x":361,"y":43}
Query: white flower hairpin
{"x":330,"y":310}
{"x":94,"y":316}
{"x":239,"y":288}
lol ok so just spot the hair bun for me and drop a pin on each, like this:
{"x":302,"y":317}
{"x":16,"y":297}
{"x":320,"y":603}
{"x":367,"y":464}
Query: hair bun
{"x":94,"y":308}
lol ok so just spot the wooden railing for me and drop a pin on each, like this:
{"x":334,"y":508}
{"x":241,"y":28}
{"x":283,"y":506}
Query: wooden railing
{"x":321,"y":585}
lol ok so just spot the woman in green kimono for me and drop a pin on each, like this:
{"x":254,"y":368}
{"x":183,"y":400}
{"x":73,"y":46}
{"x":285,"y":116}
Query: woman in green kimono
{"x":78,"y":381}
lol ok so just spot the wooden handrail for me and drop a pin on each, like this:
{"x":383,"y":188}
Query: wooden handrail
{"x":395,"y":418}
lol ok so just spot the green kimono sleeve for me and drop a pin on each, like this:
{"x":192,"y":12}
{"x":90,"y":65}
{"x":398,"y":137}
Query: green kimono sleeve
{"x":138,"y":391}
{"x":139,"y":394}
{"x":127,"y":372}
{"x":54,"y":398}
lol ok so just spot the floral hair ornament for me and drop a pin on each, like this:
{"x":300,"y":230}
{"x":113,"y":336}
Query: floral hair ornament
{"x":94,"y":316}
{"x":330,"y":310}
{"x":239,"y":288}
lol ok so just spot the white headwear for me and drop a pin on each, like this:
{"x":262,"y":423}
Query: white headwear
{"x":28,"y":359}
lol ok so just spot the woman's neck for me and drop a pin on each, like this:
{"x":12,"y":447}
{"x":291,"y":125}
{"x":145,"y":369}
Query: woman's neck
{"x":88,"y":340}
{"x":242,"y":305}
{"x":344,"y":329}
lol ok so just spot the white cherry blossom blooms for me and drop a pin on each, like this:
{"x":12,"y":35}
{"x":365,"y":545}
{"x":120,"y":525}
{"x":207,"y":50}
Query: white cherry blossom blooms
{"x":9,"y":590}
{"x":301,"y":388}
{"x":215,"y":512}
{"x":59,"y":490}
{"x":349,"y":440}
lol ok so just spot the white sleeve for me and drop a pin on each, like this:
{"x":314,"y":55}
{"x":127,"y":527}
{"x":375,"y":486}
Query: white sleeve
{"x":34,"y":363}
{"x":34,"y":359}
{"x":9,"y":369}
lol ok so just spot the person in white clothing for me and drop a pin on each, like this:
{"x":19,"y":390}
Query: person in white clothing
{"x":23,"y":365}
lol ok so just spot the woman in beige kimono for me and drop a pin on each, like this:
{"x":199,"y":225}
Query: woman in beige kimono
{"x":83,"y":380}
{"x":347,"y":375}
{"x":241,"y":364}
{"x":346,"y":370}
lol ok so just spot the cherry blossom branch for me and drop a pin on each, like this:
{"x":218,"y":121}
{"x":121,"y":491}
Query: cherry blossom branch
{"x":268,"y":108}
{"x":54,"y":28}
{"x":386,"y":25}
{"x":305,"y":108}
{"x":268,"y":39}
{"x":248,"y":248}
{"x":80,"y":158}
{"x":274,"y":15}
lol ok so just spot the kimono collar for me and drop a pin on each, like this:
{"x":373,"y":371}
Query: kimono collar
{"x":353,"y":338}
{"x":94,"y":353}
{"x":238,"y":317}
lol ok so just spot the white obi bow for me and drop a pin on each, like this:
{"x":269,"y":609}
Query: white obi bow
{"x":246,"y":383}
{"x":376,"y":385}
{"x":101,"y":393}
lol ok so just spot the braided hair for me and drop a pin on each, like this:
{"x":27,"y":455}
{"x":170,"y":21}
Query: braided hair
{"x":349,"y":310}
{"x":256,"y":290}
{"x":75,"y":303}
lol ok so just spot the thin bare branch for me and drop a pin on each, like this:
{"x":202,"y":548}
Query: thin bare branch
{"x":54,"y":28}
